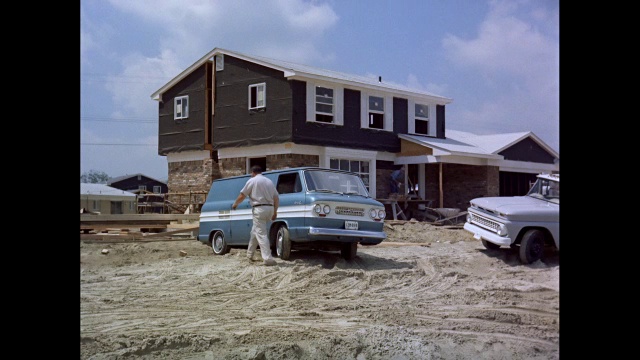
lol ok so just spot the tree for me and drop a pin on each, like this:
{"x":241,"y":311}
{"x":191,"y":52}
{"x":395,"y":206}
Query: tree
{"x":94,"y":177}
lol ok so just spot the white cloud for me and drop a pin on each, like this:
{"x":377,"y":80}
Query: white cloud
{"x":140,"y":78}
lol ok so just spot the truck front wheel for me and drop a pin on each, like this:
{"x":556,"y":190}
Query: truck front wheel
{"x":531,"y":246}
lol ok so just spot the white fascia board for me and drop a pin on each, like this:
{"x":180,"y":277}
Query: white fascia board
{"x":188,"y":156}
{"x":448,"y":159}
{"x":367,"y":87}
{"x":350,"y":153}
{"x":269,"y":149}
{"x":527,"y":167}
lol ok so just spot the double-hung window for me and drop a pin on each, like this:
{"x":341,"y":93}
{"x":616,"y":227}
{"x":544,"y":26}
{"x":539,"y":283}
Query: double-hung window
{"x":324,"y":104}
{"x":181,"y":107}
{"x":421,"y":119}
{"x":257,"y":96}
{"x":376,"y":112}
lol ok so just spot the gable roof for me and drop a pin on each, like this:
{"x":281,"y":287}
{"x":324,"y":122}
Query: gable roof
{"x":469,"y":144}
{"x":102,"y":189}
{"x":294,"y":71}
{"x":123,"y":177}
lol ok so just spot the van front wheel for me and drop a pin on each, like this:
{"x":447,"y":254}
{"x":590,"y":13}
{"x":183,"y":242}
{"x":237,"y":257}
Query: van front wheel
{"x":283,"y":243}
{"x":348,"y":250}
{"x":218,"y":244}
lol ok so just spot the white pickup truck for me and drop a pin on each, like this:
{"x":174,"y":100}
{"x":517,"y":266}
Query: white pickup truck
{"x":526,"y":223}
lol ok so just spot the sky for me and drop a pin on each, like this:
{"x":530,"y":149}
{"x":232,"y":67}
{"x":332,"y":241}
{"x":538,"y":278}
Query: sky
{"x":498,"y":60}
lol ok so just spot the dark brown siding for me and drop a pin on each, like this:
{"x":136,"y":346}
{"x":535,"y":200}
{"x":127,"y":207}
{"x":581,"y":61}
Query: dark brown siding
{"x":440,"y":123}
{"x":527,"y":150}
{"x":234,"y":125}
{"x":400,"y":117}
{"x":183,"y":134}
{"x":349,"y":135}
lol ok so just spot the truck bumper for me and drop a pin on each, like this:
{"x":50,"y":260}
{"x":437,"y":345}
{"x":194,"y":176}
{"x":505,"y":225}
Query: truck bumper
{"x":480,"y":233}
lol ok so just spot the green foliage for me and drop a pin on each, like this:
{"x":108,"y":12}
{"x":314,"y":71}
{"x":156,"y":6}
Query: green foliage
{"x":94,"y":177}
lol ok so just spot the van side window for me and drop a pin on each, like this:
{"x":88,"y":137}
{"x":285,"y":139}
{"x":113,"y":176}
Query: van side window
{"x":289,"y":183}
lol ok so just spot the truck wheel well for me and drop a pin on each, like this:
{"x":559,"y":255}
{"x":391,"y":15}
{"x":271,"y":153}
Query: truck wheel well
{"x":548,"y":238}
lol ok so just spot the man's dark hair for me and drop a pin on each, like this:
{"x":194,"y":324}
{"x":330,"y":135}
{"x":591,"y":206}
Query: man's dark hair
{"x":256,"y":169}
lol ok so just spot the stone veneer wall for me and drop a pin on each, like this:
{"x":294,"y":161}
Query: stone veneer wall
{"x":188,"y":176}
{"x":237,"y":166}
{"x":461,"y":183}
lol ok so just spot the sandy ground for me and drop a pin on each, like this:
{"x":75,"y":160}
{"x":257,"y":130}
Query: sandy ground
{"x":426,"y":292}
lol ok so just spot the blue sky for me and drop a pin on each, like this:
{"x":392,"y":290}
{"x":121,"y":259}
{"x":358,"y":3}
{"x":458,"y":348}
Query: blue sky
{"x":498,"y":60}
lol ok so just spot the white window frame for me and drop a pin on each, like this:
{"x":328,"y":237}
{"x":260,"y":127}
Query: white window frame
{"x":338,"y":100}
{"x":412,"y":117}
{"x":388,"y":110}
{"x":360,"y":174}
{"x":219,"y":62}
{"x":178,"y":103}
{"x":157,"y":189}
{"x":142,"y":187}
{"x":95,"y":205}
{"x":259,"y":92}
{"x":352,"y":154}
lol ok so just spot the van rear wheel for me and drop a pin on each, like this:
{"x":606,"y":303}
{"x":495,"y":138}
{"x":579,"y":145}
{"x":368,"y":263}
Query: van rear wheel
{"x":218,"y":244}
{"x":283,"y":243}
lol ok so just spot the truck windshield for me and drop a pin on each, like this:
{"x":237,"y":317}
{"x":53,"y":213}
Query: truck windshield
{"x":335,"y":182}
{"x":546,"y":190}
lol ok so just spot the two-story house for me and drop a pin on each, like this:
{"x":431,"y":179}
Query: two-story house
{"x":229,"y":111}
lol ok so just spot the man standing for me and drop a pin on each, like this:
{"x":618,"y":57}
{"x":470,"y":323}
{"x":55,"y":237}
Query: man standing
{"x":264,"y":201}
{"x":396,"y":181}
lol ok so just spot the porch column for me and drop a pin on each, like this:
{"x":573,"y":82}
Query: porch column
{"x":421,"y":181}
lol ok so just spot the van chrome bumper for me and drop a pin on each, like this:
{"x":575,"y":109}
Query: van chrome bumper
{"x":347,"y":233}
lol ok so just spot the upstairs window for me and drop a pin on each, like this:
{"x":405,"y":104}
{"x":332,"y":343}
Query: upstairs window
{"x":219,"y":62}
{"x":142,"y":187}
{"x":376,"y":112}
{"x":181,"y":107}
{"x":421,"y":119}
{"x":257,"y":96}
{"x":157,"y":189}
{"x":324,"y":104}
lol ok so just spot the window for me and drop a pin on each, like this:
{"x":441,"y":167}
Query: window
{"x":356,"y":166}
{"x":157,"y":189}
{"x":95,"y":205}
{"x":219,"y":62}
{"x":421,"y":119}
{"x":376,"y":112}
{"x":181,"y":107}
{"x":289,"y":183}
{"x":257,"y":96}
{"x":324,"y":104}
{"x":142,"y":187}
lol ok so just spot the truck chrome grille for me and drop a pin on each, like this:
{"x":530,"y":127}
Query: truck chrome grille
{"x":350,"y":211}
{"x":485,"y":222}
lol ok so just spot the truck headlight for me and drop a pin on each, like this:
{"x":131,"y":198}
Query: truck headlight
{"x":502,"y":230}
{"x":469,"y":217}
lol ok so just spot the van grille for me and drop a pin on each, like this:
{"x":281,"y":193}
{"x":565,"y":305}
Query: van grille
{"x":485,"y":223}
{"x":350,"y":211}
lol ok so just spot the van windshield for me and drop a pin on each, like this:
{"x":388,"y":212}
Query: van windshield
{"x":335,"y":182}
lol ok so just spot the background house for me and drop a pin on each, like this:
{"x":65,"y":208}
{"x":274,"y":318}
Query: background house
{"x":229,"y":111}
{"x":104,"y":199}
{"x":150,"y":192}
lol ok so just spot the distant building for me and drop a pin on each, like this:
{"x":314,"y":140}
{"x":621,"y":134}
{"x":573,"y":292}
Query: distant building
{"x":151,"y":192}
{"x":104,"y":199}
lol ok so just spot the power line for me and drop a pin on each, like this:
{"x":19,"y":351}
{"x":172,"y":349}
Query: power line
{"x":109,"y":119}
{"x":107,"y":144}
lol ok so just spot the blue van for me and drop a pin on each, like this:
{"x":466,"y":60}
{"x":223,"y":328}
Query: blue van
{"x":320,"y":209}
